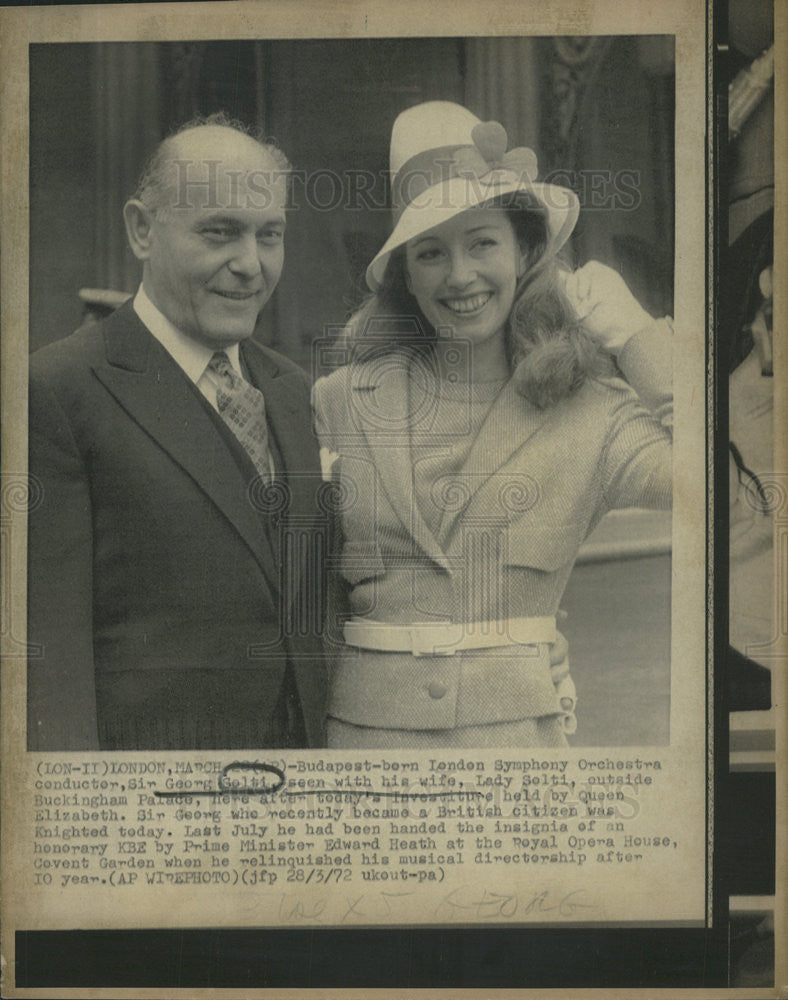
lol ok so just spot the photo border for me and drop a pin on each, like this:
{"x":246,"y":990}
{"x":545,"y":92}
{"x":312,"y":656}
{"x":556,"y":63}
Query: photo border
{"x":660,"y":958}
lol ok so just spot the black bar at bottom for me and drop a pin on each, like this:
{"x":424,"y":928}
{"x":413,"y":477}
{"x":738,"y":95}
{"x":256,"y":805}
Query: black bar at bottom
{"x":399,"y":957}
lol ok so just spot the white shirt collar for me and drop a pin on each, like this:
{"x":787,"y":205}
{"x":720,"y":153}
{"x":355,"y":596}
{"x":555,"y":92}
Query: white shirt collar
{"x":189,"y":354}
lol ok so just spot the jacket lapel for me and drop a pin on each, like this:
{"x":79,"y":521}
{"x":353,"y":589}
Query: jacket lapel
{"x":387,"y":406}
{"x":155,"y":393}
{"x":298,"y":547}
{"x":289,"y":419}
{"x":510,"y":423}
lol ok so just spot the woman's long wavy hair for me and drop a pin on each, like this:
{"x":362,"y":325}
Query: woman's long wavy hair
{"x":550,"y":355}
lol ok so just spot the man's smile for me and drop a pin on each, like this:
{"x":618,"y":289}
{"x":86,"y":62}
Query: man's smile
{"x":236,"y":296}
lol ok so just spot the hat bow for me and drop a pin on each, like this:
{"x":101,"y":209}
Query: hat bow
{"x":488,"y":161}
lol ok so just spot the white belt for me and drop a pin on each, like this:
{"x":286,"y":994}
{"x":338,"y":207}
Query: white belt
{"x":446,"y":638}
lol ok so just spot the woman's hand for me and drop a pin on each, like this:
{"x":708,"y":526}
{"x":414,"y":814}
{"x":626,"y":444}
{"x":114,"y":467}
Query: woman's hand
{"x":564,"y":685}
{"x":610,"y":313}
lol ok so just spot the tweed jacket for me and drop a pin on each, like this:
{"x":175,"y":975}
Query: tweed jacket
{"x":533,"y":486}
{"x":146,"y":549}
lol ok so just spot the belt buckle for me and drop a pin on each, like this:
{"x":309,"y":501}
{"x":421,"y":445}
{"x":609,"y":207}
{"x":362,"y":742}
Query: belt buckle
{"x":422,"y":644}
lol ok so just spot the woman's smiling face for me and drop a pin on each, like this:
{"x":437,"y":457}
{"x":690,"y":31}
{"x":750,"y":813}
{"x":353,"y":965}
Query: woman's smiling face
{"x":463,"y":273}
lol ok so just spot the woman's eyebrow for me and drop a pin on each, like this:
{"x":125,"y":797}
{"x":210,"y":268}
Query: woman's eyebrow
{"x":423,"y":239}
{"x":467,"y":232}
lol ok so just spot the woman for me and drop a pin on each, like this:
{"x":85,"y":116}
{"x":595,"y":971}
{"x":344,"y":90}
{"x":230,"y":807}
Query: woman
{"x":477,"y":435}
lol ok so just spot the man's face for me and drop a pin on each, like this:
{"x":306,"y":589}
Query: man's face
{"x":216,"y":250}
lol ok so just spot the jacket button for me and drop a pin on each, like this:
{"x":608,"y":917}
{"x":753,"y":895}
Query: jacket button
{"x":437,"y":690}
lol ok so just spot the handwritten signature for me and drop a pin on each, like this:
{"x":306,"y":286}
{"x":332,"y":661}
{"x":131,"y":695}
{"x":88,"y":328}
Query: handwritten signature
{"x":487,"y":905}
{"x":463,"y":903}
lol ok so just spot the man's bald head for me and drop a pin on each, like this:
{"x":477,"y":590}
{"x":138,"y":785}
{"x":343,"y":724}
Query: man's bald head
{"x":183,"y":161}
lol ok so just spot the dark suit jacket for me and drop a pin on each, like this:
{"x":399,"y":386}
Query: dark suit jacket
{"x":148,"y":550}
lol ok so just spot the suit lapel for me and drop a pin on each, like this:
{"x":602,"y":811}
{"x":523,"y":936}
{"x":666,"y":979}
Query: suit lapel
{"x":289,"y":421}
{"x":388,"y":407}
{"x":509,"y":424}
{"x":283,"y":392}
{"x":155,"y":393}
{"x":299,"y":548}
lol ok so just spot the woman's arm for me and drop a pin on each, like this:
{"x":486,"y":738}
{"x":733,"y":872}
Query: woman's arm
{"x":637,"y":466}
{"x":646,"y":363}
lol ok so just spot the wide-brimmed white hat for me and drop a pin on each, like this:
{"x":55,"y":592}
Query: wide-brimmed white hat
{"x":445,"y":160}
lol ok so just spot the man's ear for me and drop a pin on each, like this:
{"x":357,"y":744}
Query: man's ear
{"x":139,"y":222}
{"x":408,"y":282}
{"x":522,"y":263}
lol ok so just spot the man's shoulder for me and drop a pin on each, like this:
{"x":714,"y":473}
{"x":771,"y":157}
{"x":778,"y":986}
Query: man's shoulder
{"x":69,"y":356}
{"x":80,"y":350}
{"x":274,"y":363}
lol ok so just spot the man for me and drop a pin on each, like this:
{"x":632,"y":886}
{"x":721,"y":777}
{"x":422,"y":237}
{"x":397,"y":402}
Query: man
{"x":170,"y":553}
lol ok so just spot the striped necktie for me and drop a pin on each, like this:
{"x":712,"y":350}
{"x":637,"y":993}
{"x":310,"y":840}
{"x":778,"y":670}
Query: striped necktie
{"x":242,"y":407}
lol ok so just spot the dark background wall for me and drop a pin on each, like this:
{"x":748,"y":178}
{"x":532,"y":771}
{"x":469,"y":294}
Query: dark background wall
{"x":63,"y":206}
